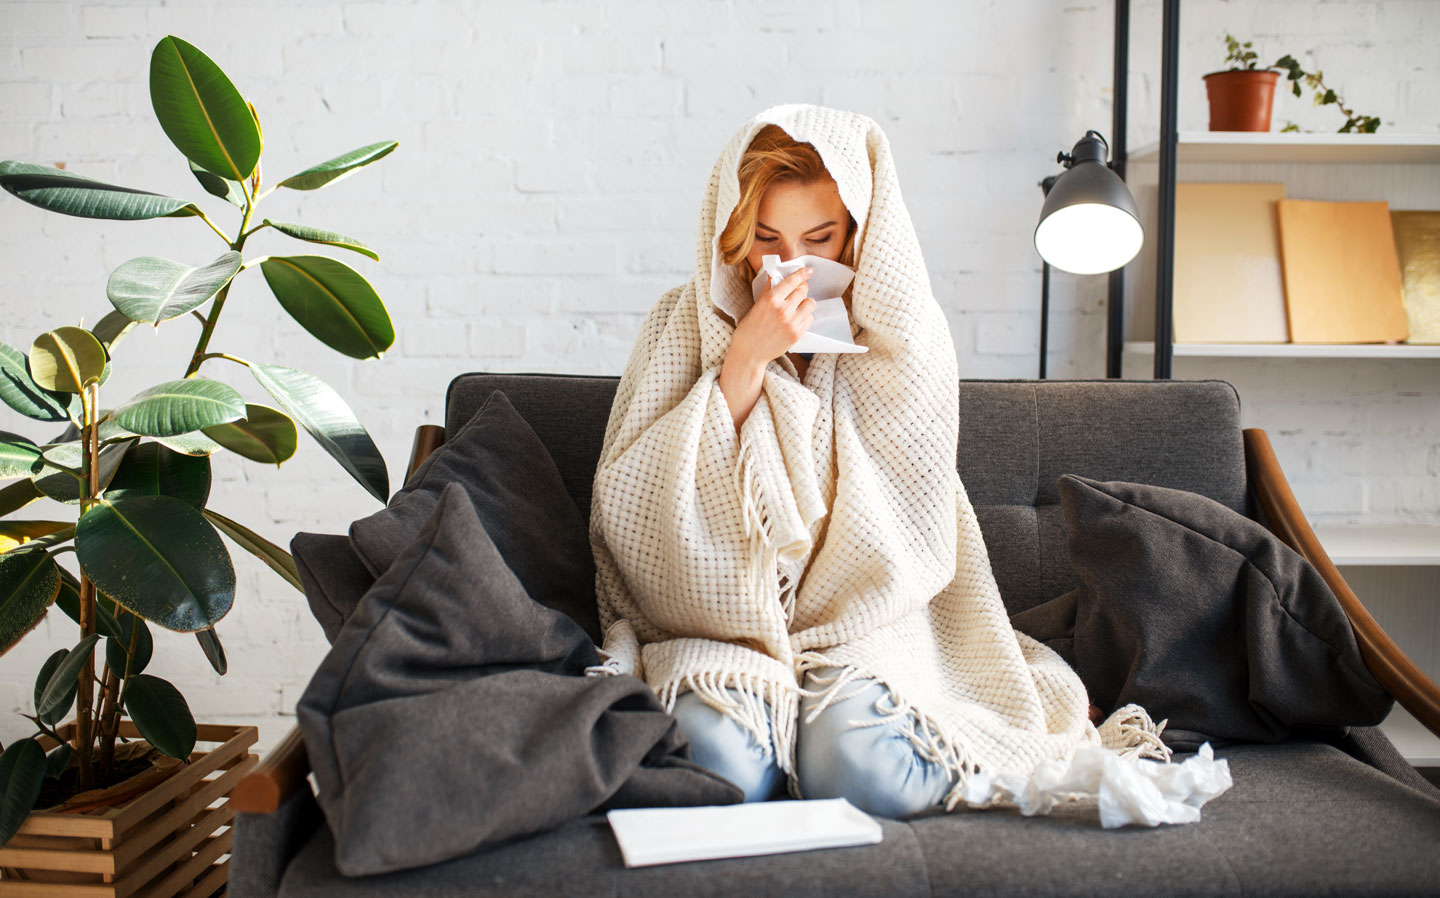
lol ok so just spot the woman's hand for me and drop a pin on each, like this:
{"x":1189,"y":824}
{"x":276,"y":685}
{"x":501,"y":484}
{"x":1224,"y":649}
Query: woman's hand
{"x":773,"y":324}
{"x":777,"y":319}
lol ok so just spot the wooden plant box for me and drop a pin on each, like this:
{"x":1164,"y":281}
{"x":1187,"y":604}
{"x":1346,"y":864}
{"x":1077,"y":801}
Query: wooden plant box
{"x":166,"y":842}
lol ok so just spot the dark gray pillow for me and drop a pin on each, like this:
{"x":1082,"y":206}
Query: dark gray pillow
{"x":332,"y":575}
{"x":520,"y":499}
{"x":453,"y":712}
{"x":1202,"y":616}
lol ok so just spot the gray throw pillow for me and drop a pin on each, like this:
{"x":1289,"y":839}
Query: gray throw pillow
{"x":332,"y":575}
{"x":520,"y":499}
{"x":453,"y":712}
{"x":1202,"y":616}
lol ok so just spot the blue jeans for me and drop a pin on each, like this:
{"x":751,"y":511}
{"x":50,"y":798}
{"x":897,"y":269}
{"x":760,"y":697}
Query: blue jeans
{"x":875,"y":767}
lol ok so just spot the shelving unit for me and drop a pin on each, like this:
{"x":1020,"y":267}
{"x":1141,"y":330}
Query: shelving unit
{"x":1293,"y":350}
{"x":1395,"y":570}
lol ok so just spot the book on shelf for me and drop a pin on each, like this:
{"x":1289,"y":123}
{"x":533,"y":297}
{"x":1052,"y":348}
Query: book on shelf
{"x":1228,"y":284}
{"x":1417,"y":239}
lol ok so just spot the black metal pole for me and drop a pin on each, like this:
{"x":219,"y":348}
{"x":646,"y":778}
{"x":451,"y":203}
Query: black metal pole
{"x":1115,"y":305}
{"x":1044,"y":314}
{"x":1169,"y":138}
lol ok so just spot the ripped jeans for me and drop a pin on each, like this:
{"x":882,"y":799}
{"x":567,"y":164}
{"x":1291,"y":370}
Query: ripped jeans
{"x":875,"y":767}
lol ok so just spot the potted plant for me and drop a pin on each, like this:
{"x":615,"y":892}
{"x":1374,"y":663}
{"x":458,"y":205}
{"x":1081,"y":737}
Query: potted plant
{"x":1242,"y":96}
{"x":147,"y":547}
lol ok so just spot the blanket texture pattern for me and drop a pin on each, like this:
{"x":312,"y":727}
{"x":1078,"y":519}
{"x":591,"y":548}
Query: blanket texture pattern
{"x":833,"y":529}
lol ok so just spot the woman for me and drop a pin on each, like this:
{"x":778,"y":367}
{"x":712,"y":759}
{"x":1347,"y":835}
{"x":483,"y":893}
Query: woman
{"x":784,"y":549}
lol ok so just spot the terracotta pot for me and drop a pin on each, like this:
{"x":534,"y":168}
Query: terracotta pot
{"x":1241,"y":99}
{"x":162,"y":842}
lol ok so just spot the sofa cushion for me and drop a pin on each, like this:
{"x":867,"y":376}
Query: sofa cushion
{"x":453,"y":712}
{"x":1302,"y":819}
{"x":520,"y":499}
{"x":1202,"y":616}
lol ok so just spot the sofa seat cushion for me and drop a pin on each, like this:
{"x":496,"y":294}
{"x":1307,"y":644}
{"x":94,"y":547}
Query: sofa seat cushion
{"x":582,"y":859}
{"x":1303,"y":818}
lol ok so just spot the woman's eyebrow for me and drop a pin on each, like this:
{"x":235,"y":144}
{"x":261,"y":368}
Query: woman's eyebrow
{"x":761,"y":224}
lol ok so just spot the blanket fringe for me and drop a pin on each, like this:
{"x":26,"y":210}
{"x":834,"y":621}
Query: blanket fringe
{"x":768,"y":710}
{"x":1132,"y":734}
{"x":759,"y":526}
{"x":926,"y":734}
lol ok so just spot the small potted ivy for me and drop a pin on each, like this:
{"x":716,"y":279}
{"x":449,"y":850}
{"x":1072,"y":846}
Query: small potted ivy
{"x":123,"y":779}
{"x":1242,"y":96}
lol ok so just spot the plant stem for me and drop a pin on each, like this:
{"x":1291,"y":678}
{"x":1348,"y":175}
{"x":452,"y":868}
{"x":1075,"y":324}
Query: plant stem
{"x":109,"y":723}
{"x":224,"y":355}
{"x":210,"y":320}
{"x":85,"y":691}
{"x":205,"y":218}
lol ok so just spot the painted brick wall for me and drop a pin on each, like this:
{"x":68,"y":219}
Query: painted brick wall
{"x":552,"y":158}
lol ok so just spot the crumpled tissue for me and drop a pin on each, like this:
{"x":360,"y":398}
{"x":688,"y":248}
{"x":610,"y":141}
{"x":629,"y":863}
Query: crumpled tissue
{"x":830,"y":331}
{"x":1128,"y":790}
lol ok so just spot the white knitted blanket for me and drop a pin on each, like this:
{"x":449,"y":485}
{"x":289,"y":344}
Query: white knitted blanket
{"x":833,"y":530}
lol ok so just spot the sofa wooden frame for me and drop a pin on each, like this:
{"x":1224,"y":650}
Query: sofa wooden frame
{"x":286,"y":767}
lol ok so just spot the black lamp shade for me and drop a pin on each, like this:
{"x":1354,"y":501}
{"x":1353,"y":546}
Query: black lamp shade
{"x":1089,"y":223}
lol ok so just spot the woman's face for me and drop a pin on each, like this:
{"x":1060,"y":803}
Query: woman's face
{"x":798,"y":220}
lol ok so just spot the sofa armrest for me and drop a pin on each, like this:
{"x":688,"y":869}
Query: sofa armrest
{"x":1392,"y":669}
{"x":286,"y":766}
{"x":282,"y":771}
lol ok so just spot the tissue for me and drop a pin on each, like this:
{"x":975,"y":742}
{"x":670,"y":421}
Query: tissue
{"x":830,"y":331}
{"x":1127,"y":791}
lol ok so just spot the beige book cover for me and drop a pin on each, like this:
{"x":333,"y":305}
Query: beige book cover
{"x":1342,"y":272}
{"x":1417,"y":239}
{"x":1228,"y":285}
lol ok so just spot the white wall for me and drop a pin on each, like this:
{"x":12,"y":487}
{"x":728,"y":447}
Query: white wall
{"x":552,"y":158}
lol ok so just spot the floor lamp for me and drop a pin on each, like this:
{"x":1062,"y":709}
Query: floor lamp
{"x":1089,"y":223}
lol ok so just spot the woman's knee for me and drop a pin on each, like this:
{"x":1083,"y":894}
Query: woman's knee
{"x":876,"y":767}
{"x":723,"y":746}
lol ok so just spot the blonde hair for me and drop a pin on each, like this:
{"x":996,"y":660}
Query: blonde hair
{"x":773,"y":157}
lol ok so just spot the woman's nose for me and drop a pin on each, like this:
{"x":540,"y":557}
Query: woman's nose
{"x":792,"y":251}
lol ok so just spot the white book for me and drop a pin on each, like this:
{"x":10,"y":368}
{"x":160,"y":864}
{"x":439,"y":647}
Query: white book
{"x":668,"y":835}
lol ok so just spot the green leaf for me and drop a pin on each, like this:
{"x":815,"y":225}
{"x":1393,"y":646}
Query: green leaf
{"x":332,"y":301}
{"x":65,"y":192}
{"x":201,"y":111}
{"x":65,"y":533}
{"x":339,"y":167}
{"x":14,"y":533}
{"x":180,"y":406}
{"x":159,"y":558}
{"x":277,"y":558}
{"x":116,"y":647}
{"x":326,"y":417}
{"x":111,"y":329}
{"x":62,"y":486}
{"x":149,"y":290}
{"x":28,"y":584}
{"x":18,"y":456}
{"x":161,"y":715}
{"x":228,"y":190}
{"x":18,"y":495}
{"x":23,"y":394}
{"x":22,"y":773}
{"x":47,"y":671}
{"x":196,"y":444}
{"x":66,"y":360}
{"x":108,"y":615}
{"x":264,"y":435}
{"x":58,"y":760}
{"x":316,"y":235}
{"x":150,"y":469}
{"x":214,"y":651}
{"x":53,"y":698}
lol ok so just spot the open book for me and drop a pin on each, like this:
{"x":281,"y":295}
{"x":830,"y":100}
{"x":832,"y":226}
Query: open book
{"x":668,"y":835}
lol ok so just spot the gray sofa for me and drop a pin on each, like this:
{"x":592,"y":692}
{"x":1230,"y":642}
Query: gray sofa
{"x":1345,"y":816}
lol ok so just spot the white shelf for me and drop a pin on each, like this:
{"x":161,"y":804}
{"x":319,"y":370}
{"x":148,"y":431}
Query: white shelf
{"x":1294,"y":350}
{"x":1419,"y":746}
{"x":1273,"y":146}
{"x":1385,"y":545}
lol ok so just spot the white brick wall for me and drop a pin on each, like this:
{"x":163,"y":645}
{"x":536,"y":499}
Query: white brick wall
{"x":545,"y":192}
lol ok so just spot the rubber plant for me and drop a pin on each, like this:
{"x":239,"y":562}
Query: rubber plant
{"x":147,"y":547}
